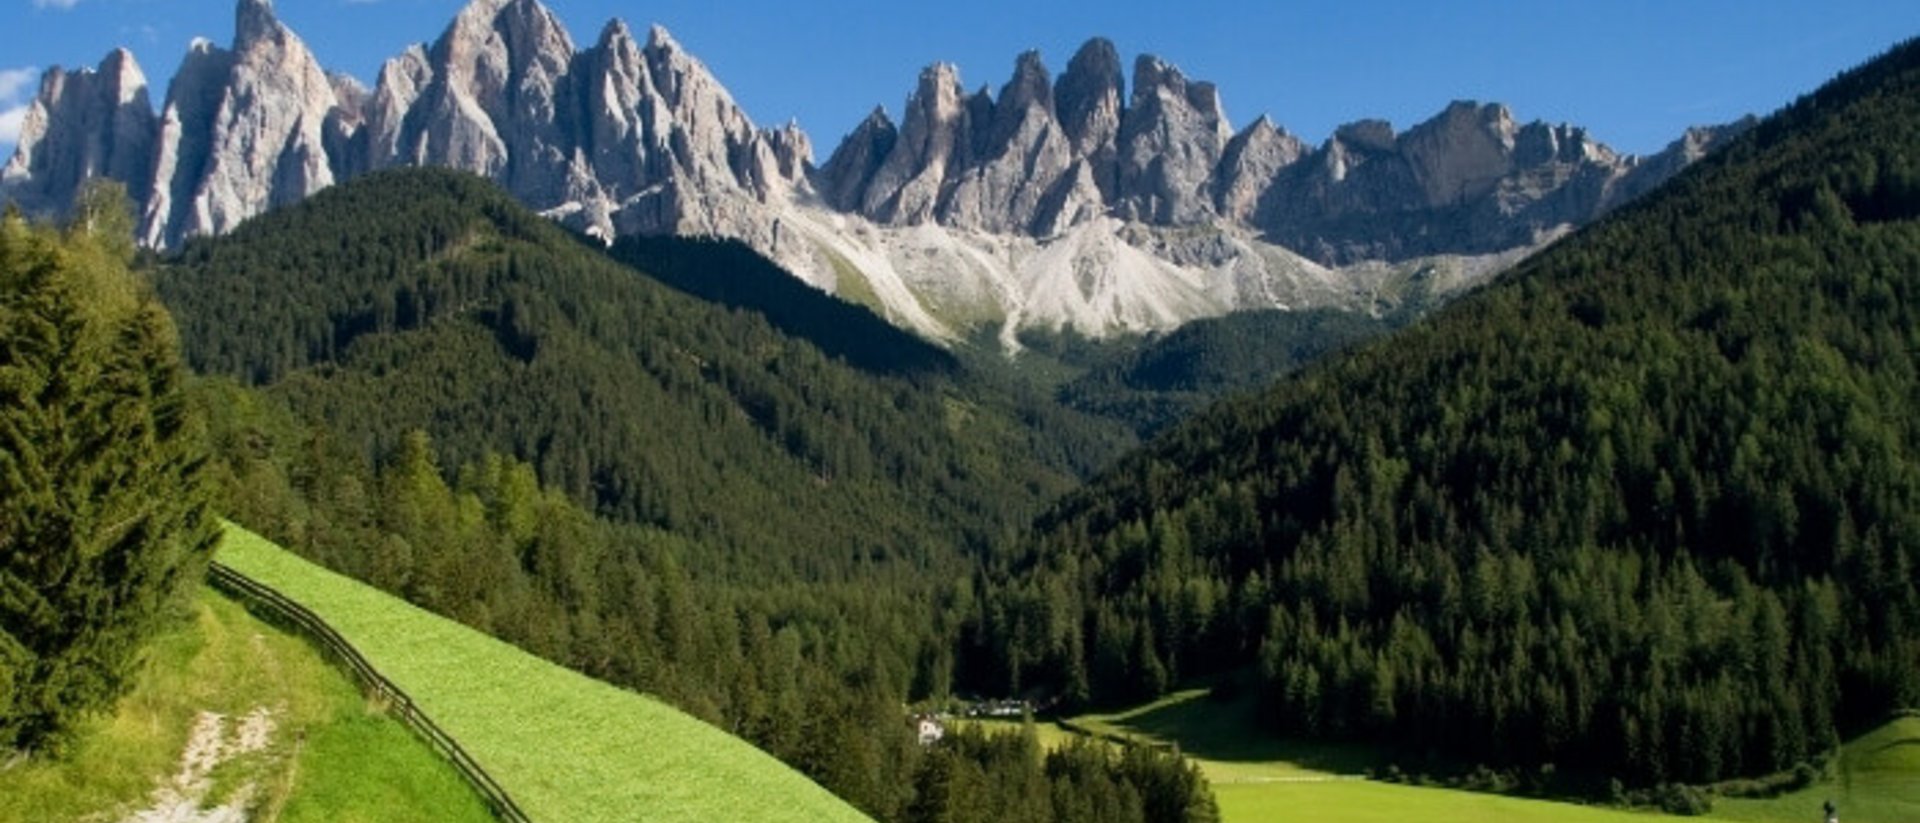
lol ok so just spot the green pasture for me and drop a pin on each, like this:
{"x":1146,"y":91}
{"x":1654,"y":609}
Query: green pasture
{"x":566,"y":746}
{"x":1259,"y":778}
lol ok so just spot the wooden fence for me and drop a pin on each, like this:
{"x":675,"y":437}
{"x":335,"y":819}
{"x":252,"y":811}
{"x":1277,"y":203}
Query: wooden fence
{"x":283,"y":609}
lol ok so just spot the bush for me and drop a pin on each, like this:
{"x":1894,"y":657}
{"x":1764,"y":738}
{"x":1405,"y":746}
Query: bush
{"x":1684,"y":800}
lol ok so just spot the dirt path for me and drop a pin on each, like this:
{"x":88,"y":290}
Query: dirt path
{"x":183,"y":798}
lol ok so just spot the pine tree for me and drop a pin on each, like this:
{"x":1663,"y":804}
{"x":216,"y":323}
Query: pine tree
{"x":104,"y":527}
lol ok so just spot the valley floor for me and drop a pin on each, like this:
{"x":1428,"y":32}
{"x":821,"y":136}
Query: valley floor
{"x":1259,"y":778}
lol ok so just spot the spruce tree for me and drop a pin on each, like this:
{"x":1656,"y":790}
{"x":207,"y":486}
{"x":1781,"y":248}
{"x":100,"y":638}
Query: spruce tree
{"x":104,"y":527}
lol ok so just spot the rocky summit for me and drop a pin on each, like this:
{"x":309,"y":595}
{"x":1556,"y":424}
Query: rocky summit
{"x":1087,"y":200}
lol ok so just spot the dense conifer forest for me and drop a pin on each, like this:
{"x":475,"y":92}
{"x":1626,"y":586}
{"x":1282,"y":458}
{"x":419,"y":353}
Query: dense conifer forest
{"x":1162,"y":381}
{"x":1644,"y":508}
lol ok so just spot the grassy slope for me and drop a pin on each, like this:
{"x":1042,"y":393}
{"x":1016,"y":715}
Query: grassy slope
{"x":568,"y":748}
{"x":331,"y":759}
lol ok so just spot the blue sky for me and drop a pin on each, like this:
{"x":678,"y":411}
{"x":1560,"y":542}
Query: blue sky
{"x":1635,"y":72}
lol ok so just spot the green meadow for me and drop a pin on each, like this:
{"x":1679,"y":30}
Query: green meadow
{"x":565,"y":746}
{"x":1259,"y":778}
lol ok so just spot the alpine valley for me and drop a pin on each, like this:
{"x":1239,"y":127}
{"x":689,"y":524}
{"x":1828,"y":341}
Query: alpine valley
{"x":635,"y":462}
{"x":1079,"y":201}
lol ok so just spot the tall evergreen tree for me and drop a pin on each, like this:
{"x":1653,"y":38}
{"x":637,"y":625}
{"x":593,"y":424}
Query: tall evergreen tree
{"x":104,"y":526}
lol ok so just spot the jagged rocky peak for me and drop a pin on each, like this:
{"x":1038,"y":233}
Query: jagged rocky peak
{"x":1043,"y":155}
{"x":687,"y":84}
{"x":1470,"y":180}
{"x":1031,"y":86}
{"x":1019,"y":160}
{"x":1089,"y":97}
{"x":1171,"y":139}
{"x":1537,"y":143}
{"x":243,"y":130}
{"x":935,"y":138}
{"x":1248,"y":166}
{"x":255,"y":21}
{"x":493,"y":104}
{"x":403,"y":78}
{"x":85,"y":123}
{"x":634,"y":134}
{"x":849,"y":172}
{"x":1154,"y":78}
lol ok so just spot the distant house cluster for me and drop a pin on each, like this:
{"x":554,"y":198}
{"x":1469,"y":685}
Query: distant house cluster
{"x":1000,"y":708}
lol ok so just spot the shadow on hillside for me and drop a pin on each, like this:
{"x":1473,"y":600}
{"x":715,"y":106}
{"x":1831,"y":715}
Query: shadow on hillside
{"x":1230,"y":731}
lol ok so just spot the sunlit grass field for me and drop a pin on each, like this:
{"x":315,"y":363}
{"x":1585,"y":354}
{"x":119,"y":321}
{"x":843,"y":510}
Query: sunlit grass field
{"x":567,"y":747}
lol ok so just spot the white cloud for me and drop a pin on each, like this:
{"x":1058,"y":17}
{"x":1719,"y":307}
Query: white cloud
{"x":15,"y":81}
{"x":10,"y":121}
{"x":55,"y":4}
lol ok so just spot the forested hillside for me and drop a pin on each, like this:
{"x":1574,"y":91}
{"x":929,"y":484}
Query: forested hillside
{"x":732,"y":274}
{"x":1167,"y":379}
{"x":1647,"y":507}
{"x":429,"y":300}
{"x":422,"y":385}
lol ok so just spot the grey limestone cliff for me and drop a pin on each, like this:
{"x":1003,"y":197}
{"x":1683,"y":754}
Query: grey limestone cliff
{"x":88,"y":123}
{"x":619,"y":137}
{"x":1043,"y":157}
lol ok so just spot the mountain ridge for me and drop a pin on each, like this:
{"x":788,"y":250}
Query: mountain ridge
{"x":1080,"y":201}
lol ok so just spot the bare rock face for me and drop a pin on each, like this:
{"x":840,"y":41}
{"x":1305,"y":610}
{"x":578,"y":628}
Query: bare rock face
{"x":1249,"y":165}
{"x":1678,"y":155}
{"x":1171,"y":137}
{"x":1089,"y":99}
{"x":844,"y":180}
{"x":1044,"y":157}
{"x":490,"y":97}
{"x":243,"y":131}
{"x":665,"y":148}
{"x":1462,"y":153}
{"x":1468,"y":181}
{"x":1040,"y":158}
{"x":1023,"y":156}
{"x":936,"y":136}
{"x":88,"y":123}
{"x":621,"y":137}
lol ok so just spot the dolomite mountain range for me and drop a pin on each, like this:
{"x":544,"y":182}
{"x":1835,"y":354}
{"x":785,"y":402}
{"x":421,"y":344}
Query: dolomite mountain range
{"x":1079,"y":200}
